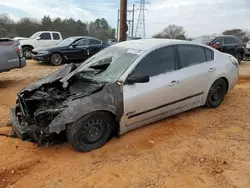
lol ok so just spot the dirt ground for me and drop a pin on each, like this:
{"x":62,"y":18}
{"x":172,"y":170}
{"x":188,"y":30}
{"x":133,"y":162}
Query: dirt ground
{"x":203,"y":148}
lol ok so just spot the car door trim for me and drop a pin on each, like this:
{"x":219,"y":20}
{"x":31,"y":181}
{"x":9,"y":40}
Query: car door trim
{"x":164,"y":105}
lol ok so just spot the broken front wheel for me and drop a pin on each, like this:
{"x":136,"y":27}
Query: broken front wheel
{"x":91,"y":131}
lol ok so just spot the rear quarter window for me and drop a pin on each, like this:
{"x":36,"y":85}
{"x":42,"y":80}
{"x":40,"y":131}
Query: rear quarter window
{"x":209,"y":54}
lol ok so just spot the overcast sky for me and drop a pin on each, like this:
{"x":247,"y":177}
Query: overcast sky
{"x":198,"y":17}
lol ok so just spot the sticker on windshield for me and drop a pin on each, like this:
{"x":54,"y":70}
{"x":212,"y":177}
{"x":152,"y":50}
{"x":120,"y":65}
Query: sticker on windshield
{"x":133,"y":51}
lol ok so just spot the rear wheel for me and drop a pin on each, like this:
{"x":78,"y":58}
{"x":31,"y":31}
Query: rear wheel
{"x":27,"y":52}
{"x":216,"y":93}
{"x":91,"y":131}
{"x":56,"y":59}
{"x":239,"y":56}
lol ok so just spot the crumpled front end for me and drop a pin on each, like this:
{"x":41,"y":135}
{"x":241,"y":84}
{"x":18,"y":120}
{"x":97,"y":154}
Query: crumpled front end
{"x":40,"y":103}
{"x":34,"y":111}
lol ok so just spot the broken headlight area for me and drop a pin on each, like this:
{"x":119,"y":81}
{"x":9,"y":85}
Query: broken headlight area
{"x":35,"y":110}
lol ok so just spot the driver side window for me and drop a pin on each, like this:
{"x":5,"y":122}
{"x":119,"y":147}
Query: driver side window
{"x":157,"y":62}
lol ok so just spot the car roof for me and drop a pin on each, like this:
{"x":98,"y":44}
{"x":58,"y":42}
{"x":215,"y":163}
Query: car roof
{"x":147,"y":44}
{"x":85,"y":37}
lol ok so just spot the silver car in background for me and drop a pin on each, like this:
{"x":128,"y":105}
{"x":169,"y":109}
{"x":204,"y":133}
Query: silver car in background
{"x":11,"y":55}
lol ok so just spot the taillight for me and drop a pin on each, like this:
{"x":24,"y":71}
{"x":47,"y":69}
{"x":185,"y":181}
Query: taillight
{"x":234,"y":61}
{"x":19,"y":50}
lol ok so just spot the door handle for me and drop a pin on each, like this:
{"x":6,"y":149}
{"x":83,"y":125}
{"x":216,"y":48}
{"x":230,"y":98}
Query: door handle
{"x":174,"y":82}
{"x":212,"y":70}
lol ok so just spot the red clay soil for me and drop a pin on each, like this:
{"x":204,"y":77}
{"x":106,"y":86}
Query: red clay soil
{"x":201,"y":148}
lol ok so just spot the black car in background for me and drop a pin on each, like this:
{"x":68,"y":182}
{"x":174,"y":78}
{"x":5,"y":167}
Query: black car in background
{"x":72,"y":49}
{"x":225,"y":43}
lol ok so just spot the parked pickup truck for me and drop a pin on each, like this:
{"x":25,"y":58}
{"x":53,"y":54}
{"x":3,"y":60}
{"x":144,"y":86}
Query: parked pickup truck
{"x":38,"y":40}
{"x":11,"y":55}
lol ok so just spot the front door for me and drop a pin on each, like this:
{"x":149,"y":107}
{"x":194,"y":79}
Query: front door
{"x":146,"y":102}
{"x":45,"y":40}
{"x":79,"y":51}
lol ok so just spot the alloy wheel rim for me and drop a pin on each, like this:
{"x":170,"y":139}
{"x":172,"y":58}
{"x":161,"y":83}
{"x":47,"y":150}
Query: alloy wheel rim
{"x":56,"y":59}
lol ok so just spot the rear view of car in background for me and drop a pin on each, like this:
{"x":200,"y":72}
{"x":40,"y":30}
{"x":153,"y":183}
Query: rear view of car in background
{"x":11,"y":55}
{"x":225,"y":43}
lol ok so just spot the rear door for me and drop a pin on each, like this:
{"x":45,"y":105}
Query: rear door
{"x":229,"y":45}
{"x":94,"y":46}
{"x":9,"y":56}
{"x":195,"y":74}
{"x":56,"y":38}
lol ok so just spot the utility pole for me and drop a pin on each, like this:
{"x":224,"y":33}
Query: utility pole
{"x":123,"y":20}
{"x":140,"y":28}
{"x":130,"y":23}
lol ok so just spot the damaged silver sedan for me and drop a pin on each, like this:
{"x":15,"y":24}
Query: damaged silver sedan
{"x":125,"y":86}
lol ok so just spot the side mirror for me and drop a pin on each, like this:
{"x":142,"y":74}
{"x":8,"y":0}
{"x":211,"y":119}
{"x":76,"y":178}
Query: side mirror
{"x":137,"y":79}
{"x":216,"y":44}
{"x":38,"y":38}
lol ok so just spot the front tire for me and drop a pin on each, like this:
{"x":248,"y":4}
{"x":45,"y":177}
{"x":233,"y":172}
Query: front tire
{"x":56,"y":59}
{"x":91,"y":131}
{"x":216,"y":93}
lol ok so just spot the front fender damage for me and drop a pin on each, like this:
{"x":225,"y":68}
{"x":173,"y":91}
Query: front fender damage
{"x":110,"y":99}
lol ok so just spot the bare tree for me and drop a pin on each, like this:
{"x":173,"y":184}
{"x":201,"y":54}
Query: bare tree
{"x":172,"y":32}
{"x":244,"y":35}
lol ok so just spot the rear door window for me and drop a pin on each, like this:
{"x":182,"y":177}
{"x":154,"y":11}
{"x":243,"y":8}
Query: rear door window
{"x":56,"y":36}
{"x":229,"y":40}
{"x":191,"y":55}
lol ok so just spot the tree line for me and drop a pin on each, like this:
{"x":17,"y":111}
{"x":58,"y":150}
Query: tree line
{"x":25,"y":27}
{"x":173,"y":31}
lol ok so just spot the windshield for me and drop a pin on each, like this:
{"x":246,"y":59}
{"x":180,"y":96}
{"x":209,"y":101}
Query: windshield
{"x":204,"y":39}
{"x":67,"y":41}
{"x":110,"y":63}
{"x":35,"y":35}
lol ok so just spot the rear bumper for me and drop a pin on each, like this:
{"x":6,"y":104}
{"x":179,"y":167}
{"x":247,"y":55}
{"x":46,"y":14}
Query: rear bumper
{"x":42,"y":58}
{"x":22,"y":62}
{"x":247,"y":51}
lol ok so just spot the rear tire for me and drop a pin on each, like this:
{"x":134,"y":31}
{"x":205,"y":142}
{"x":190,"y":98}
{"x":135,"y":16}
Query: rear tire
{"x":216,"y":93}
{"x":91,"y":131}
{"x":239,"y":56}
{"x":27,"y":52}
{"x":56,"y":59}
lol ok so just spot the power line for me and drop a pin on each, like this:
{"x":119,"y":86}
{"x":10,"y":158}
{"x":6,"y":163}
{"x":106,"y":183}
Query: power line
{"x":140,"y":28}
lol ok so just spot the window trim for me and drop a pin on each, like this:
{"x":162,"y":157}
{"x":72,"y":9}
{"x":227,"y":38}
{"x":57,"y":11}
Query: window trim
{"x":178,"y":55}
{"x":175,"y":62}
{"x":45,"y":39}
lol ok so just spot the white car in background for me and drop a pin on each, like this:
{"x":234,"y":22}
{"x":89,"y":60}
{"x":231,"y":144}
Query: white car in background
{"x":38,"y":40}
